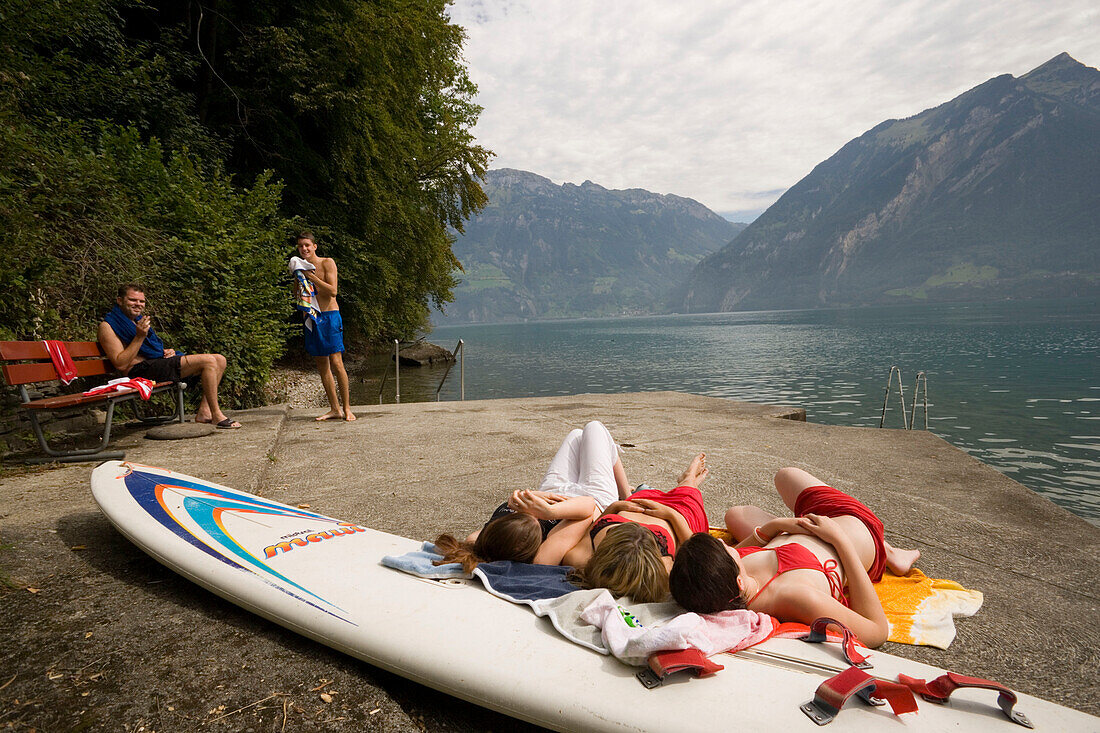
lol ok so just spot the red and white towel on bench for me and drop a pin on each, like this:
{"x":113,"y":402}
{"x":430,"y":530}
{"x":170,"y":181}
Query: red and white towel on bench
{"x":126,"y":384}
{"x":62,"y":362}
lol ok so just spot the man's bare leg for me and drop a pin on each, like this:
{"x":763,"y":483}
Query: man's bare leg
{"x":337,"y":363}
{"x":329,"y":383}
{"x":210,"y":368}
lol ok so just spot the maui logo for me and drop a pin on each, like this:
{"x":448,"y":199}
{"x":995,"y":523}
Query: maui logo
{"x":344,"y":528}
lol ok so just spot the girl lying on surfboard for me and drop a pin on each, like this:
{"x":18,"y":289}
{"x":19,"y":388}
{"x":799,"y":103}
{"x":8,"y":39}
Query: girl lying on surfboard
{"x":585,"y":477}
{"x":821,"y":562}
{"x":630,"y":547}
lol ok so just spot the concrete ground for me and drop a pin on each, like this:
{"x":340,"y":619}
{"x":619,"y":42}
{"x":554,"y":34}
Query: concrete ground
{"x":97,"y":636}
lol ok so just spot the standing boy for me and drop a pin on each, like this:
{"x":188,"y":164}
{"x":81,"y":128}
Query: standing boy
{"x":324,"y":331}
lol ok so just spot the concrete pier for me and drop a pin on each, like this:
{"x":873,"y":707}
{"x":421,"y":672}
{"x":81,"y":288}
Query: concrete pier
{"x":96,"y":634}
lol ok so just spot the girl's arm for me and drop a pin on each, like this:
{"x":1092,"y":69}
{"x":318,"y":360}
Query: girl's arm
{"x":537,"y":505}
{"x":562,"y":540}
{"x":873,"y":627}
{"x":675,"y":520}
{"x":772,"y":529}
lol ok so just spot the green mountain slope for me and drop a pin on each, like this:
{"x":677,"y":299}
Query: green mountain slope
{"x":540,"y":250}
{"x":995,"y":194}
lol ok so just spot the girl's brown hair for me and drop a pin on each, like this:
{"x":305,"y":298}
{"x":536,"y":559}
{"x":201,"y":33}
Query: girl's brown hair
{"x":514,"y":537}
{"x":627,"y":563}
{"x":704,"y":576}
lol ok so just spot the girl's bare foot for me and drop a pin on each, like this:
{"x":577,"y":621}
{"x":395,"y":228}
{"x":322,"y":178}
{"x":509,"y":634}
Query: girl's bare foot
{"x":696,"y":471}
{"x":900,"y":562}
{"x":349,"y":415}
{"x":330,"y":415}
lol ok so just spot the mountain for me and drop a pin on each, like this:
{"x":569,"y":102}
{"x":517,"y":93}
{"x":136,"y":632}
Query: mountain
{"x":540,"y":250}
{"x":995,"y":194}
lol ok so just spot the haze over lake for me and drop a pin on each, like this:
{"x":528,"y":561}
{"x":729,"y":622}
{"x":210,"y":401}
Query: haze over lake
{"x":1015,"y":384}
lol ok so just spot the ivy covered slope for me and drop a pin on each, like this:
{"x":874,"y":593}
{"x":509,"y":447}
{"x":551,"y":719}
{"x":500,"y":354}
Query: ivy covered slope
{"x":995,"y":194}
{"x":540,"y":250}
{"x":179,"y":144}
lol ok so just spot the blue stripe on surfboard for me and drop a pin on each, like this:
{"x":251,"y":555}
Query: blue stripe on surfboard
{"x":142,"y":487}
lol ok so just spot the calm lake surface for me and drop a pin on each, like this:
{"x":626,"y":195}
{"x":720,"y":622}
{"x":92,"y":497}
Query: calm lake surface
{"x":1016,"y":385}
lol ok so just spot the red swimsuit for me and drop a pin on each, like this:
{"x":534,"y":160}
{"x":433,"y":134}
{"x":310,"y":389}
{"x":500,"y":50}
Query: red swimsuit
{"x":794,"y":556}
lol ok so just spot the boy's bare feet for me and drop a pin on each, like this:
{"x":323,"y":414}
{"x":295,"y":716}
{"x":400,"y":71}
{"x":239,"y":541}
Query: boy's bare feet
{"x":349,"y":415}
{"x":696,"y":471}
{"x":330,"y":415}
{"x":900,"y":562}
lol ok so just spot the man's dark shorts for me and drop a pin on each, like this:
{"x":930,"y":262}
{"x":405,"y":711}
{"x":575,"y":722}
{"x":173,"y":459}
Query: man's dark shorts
{"x":158,"y":370}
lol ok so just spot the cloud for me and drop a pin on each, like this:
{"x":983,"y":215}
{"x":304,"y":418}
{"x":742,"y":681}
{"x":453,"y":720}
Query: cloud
{"x":730,"y":103}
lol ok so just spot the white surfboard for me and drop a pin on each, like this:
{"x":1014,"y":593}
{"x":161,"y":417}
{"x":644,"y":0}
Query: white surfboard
{"x":321,"y":577}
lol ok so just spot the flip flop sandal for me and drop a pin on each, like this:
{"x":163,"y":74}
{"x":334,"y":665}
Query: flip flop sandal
{"x":228,"y":424}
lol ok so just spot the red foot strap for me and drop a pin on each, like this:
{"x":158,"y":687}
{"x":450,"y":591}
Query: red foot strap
{"x":834,"y":692}
{"x":851,"y":656}
{"x":939,"y":691}
{"x":663,"y":664}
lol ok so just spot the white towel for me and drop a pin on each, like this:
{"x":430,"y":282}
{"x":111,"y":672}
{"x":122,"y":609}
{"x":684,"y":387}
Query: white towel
{"x":297,"y":263}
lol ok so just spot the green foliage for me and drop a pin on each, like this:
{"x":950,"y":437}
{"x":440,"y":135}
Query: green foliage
{"x":176,"y":143}
{"x":365,"y":111}
{"x":85,"y":218}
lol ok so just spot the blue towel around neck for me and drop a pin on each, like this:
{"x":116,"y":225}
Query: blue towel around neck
{"x":126,"y":328}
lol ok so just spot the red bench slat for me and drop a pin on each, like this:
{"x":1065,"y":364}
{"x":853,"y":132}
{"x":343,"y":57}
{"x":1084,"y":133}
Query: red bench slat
{"x":27,"y":350}
{"x":16,"y":374}
{"x":43,"y":371}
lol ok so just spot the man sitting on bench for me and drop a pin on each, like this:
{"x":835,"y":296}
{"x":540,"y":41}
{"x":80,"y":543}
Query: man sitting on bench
{"x":127,"y":338}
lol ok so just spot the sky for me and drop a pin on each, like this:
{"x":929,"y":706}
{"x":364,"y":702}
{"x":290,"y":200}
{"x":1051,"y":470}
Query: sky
{"x":733,"y":102}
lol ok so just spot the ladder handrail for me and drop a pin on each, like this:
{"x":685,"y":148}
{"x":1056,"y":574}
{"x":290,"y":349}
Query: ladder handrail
{"x":460,"y":354}
{"x":901,"y":397}
{"x":921,"y":378}
{"x":397,"y":375}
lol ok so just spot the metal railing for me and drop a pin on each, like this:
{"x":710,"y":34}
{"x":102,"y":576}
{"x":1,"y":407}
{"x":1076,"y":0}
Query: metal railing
{"x":397,"y":376}
{"x":921,"y":379}
{"x":907,"y":420}
{"x":460,"y":356}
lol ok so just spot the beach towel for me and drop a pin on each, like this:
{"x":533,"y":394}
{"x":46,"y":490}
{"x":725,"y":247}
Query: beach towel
{"x":126,"y":328}
{"x":306,"y":301}
{"x":62,"y":362}
{"x":420,"y":564}
{"x":143,"y":386}
{"x":626,"y":630}
{"x":921,"y":610}
{"x":631,"y":641}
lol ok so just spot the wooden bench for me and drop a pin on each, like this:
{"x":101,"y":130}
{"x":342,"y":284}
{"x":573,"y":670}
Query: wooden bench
{"x":28,"y":362}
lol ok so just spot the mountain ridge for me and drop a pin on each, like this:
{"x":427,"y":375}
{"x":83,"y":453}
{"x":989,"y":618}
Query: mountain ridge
{"x":543,"y":250}
{"x":993,"y":193}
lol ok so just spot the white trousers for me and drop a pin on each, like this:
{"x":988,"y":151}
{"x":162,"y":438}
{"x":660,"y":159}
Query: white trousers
{"x":585,"y":466}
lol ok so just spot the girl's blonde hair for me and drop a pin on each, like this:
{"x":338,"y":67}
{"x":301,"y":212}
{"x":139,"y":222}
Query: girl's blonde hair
{"x":627,"y":563}
{"x":514,"y":537}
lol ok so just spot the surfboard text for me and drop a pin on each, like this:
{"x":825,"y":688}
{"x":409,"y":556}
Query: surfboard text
{"x":344,"y":528}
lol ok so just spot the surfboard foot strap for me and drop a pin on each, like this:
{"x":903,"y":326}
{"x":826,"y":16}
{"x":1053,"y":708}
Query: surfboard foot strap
{"x":663,"y":664}
{"x":851,"y":656}
{"x":835,"y":691}
{"x":939,"y":691}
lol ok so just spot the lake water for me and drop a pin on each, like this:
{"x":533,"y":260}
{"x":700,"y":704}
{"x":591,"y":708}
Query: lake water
{"x":1016,"y":385}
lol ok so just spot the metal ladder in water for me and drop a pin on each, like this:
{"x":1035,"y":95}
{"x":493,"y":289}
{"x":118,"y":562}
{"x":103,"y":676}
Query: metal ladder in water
{"x":459,"y":353}
{"x":907,"y":421}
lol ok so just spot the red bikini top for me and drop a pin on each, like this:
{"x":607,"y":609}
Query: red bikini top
{"x":665,"y":542}
{"x":794,"y":556}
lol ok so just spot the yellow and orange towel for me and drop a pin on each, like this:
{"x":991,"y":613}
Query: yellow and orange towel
{"x":921,"y":610}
